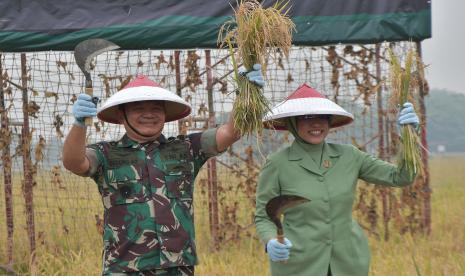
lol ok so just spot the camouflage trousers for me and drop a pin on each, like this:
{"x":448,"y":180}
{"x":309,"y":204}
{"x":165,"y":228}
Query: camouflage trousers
{"x":172,"y":271}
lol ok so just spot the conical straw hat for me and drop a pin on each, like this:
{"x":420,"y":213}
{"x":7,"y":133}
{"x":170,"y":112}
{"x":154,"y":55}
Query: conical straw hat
{"x":143,"y":89}
{"x":306,"y":101}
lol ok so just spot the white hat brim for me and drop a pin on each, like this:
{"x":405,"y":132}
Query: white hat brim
{"x":306,"y":106}
{"x":175,"y":107}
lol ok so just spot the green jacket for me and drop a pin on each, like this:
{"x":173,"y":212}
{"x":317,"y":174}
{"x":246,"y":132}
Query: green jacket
{"x":322,"y":231}
{"x":147,"y":193}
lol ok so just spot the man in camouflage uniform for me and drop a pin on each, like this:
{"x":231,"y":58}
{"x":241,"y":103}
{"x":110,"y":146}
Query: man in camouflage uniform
{"x":145,"y":180}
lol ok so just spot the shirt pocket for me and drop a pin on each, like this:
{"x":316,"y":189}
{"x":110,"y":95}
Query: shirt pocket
{"x":127,"y":191}
{"x":179,"y":180}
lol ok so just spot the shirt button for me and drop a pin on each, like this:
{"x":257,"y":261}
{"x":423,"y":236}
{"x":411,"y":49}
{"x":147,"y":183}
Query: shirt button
{"x":321,"y":178}
{"x":328,"y":221}
{"x":328,"y":242}
{"x":325,"y":199}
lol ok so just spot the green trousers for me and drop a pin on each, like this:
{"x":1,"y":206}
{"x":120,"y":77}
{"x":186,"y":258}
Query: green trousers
{"x":172,"y":271}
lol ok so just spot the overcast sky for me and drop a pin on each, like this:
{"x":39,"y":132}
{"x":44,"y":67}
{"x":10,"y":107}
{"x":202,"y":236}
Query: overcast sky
{"x":445,"y":51}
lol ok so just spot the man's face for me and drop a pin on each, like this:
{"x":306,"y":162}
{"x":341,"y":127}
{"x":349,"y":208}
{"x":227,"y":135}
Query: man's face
{"x":147,"y":117}
{"x":313,"y":129}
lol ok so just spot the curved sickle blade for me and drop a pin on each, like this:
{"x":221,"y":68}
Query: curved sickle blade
{"x":276,"y":206}
{"x":88,"y":49}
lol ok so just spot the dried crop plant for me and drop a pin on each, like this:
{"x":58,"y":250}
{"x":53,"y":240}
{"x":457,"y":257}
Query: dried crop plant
{"x":258,"y":33}
{"x":403,"y":81}
{"x":193,"y":72}
{"x":39,"y":150}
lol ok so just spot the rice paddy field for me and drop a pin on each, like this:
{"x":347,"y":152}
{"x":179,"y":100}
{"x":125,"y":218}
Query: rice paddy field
{"x":58,"y":253}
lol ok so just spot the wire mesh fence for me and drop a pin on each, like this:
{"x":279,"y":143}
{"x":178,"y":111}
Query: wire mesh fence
{"x":49,"y":206}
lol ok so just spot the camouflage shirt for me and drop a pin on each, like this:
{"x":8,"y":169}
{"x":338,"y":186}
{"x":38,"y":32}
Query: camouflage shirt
{"x":147,"y":193}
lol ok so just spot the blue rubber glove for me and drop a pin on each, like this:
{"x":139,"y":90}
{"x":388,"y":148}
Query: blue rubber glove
{"x":255,"y":75}
{"x":408,"y":116}
{"x":84,"y":107}
{"x":278,"y":251}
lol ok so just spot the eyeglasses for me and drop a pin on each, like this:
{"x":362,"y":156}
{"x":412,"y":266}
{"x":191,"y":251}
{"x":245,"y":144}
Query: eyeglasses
{"x":314,"y":116}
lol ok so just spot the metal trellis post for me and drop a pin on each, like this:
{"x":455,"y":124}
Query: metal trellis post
{"x":27,"y":162}
{"x":6,"y":160}
{"x":426,"y":185}
{"x":177,"y":67}
{"x":384,"y":191}
{"x":211,"y":165}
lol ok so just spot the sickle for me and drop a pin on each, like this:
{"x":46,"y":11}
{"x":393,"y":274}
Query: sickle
{"x":276,"y":206}
{"x":84,"y":52}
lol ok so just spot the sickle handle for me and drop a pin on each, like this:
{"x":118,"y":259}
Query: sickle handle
{"x":280,"y":238}
{"x":90,"y":92}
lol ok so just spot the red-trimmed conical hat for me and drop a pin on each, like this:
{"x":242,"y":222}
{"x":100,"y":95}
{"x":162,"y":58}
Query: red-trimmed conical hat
{"x":144,"y":89}
{"x":306,"y":101}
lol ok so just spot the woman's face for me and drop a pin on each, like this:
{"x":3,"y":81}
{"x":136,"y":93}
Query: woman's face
{"x":313,"y":129}
{"x":147,"y":117}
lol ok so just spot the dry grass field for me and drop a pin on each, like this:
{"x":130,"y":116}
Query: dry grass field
{"x":65,"y":253}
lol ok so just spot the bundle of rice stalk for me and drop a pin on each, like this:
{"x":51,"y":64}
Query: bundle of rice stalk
{"x":404,"y":82}
{"x":257,"y":33}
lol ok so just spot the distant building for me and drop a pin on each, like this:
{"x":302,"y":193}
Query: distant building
{"x":441,"y":148}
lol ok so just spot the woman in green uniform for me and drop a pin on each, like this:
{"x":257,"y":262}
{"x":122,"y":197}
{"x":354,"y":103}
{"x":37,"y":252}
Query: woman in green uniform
{"x":322,"y":238}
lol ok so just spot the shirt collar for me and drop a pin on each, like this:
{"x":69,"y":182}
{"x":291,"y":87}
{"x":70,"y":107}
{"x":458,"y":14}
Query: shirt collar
{"x":296,"y":151}
{"x":127,"y":142}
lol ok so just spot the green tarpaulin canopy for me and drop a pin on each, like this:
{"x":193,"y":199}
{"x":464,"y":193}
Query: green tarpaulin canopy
{"x":176,"y":24}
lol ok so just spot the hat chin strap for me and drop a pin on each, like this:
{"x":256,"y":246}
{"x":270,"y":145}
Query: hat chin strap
{"x":132,"y":128}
